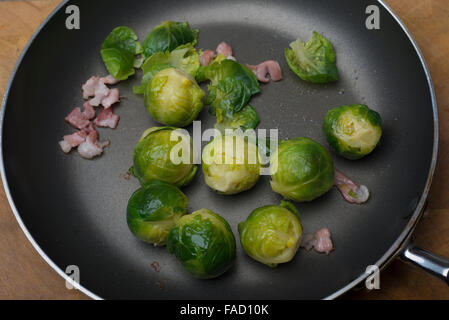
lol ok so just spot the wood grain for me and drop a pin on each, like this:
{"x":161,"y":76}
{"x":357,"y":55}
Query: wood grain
{"x":24,"y":274}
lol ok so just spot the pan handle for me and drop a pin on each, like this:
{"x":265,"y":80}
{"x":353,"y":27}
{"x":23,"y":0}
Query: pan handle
{"x":429,"y":262}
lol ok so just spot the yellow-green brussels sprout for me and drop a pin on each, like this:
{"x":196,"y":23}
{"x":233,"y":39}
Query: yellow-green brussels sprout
{"x":153,"y":157}
{"x":231,"y":164}
{"x":272,"y":234}
{"x":301,"y":170}
{"x":353,"y":131}
{"x":153,"y":211}
{"x":204,"y":243}
{"x":173,"y":97}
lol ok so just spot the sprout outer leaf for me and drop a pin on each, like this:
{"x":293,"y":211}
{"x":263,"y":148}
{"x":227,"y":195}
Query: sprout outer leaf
{"x":118,"y":52}
{"x":168,"y":36}
{"x":313,"y":61}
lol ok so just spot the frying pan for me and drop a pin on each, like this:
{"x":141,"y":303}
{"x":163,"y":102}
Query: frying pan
{"x":73,"y":210}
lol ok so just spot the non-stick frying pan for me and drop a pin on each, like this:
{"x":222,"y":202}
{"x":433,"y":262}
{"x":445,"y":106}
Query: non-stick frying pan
{"x":73,"y":210}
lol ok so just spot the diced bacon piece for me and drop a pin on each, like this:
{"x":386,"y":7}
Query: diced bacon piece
{"x":77,"y":119}
{"x":323,"y":242}
{"x":96,"y":87}
{"x":206,"y":57}
{"x":320,"y":241}
{"x":308,"y":241}
{"x":72,"y":140}
{"x":91,"y":147}
{"x":107,"y":118}
{"x":89,"y":87}
{"x":65,"y":146}
{"x":90,"y":128}
{"x":101,"y":92}
{"x":224,"y":49}
{"x":89,"y":111}
{"x":109,"y":80}
{"x":111,"y":98}
{"x":103,"y":144}
{"x":270,"y":67}
{"x":350,"y":191}
{"x":75,"y":139}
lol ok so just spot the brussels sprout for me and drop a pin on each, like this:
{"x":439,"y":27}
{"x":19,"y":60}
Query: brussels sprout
{"x":353,"y":131}
{"x":231,"y":164}
{"x":152,"y":159}
{"x":118,"y":52}
{"x":301,"y":170}
{"x":168,"y":36}
{"x":313,"y":61}
{"x":184,"y":57}
{"x":204,"y":243}
{"x":153,"y":211}
{"x":272,"y":234}
{"x":173,"y":97}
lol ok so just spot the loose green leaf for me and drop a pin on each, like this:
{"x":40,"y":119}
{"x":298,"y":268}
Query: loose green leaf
{"x":231,"y":87}
{"x":223,"y":69}
{"x":118,"y":52}
{"x":313,"y":61}
{"x":227,"y":97}
{"x":247,"y":118}
{"x":168,"y":36}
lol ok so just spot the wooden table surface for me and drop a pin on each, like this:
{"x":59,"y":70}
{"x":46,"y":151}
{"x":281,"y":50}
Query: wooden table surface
{"x":25,"y":275}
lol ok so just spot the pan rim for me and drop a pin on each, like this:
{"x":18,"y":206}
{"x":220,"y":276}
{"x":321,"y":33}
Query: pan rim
{"x":389,"y":255}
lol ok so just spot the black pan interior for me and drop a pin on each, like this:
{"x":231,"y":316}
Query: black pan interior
{"x":75,"y":209}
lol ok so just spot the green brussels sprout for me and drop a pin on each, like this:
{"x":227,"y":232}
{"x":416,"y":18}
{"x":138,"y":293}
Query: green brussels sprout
{"x":204,"y":243}
{"x":272,"y":234}
{"x":152,"y":158}
{"x":313,"y":61}
{"x":153,"y":211}
{"x":231,"y":164}
{"x":118,"y":52}
{"x":173,"y":97}
{"x":353,"y":131}
{"x":184,"y":57}
{"x":301,"y":170}
{"x":168,"y":36}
